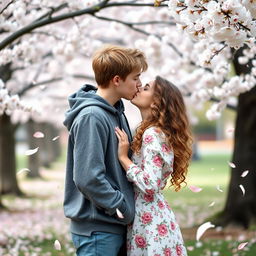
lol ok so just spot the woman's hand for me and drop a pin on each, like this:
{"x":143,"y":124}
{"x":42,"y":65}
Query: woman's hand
{"x":123,"y":145}
{"x":123,"y":148}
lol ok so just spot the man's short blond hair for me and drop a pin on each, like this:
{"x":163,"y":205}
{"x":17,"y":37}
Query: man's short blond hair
{"x":112,"y":60}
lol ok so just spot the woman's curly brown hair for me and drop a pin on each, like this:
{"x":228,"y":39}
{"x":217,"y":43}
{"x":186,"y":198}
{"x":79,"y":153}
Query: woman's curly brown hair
{"x":168,"y":113}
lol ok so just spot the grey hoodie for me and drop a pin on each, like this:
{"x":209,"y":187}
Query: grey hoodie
{"x":96,"y":184}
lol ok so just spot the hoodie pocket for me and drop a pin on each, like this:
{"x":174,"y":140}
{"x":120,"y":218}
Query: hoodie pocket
{"x":127,"y":207}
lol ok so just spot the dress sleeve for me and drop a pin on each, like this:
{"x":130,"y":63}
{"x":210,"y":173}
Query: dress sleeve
{"x":157,"y":163}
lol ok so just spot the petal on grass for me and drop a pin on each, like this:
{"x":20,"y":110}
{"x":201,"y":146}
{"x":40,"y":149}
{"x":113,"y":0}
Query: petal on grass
{"x":57,"y":245}
{"x":190,"y":248}
{"x":211,"y":204}
{"x":242,"y":245}
{"x":200,"y":231}
{"x":55,"y":138}
{"x":119,"y":214}
{"x":38,"y":135}
{"x":232,"y":165}
{"x":194,"y":189}
{"x":242,"y":188}
{"x":23,"y":170}
{"x":31,"y":151}
{"x":244,"y":173}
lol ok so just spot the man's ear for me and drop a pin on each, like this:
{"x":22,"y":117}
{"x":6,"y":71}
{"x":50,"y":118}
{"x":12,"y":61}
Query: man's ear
{"x":116,"y":80}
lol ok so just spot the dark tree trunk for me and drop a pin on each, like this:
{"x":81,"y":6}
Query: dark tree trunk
{"x":56,"y":147}
{"x":1,"y":205}
{"x":45,"y":146}
{"x":240,"y":210}
{"x":49,"y":149}
{"x":33,"y":160}
{"x":8,"y":180}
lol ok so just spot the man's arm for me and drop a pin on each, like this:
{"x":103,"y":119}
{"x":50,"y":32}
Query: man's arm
{"x":90,"y":141}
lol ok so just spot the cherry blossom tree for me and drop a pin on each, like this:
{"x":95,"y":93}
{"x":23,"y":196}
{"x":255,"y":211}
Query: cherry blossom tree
{"x":39,"y":63}
{"x":229,"y":24}
{"x":46,"y":47}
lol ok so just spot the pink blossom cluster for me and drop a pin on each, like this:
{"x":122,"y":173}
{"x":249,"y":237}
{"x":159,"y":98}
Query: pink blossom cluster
{"x":9,"y":103}
{"x":195,"y":55}
{"x":228,"y":21}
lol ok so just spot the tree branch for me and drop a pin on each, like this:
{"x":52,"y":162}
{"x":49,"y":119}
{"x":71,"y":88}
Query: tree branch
{"x":52,"y":10}
{"x":130,"y":25}
{"x":46,"y":21}
{"x":229,"y":106}
{"x":7,"y":6}
{"x":49,"y":81}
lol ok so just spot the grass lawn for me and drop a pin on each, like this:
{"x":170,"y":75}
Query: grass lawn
{"x":211,"y":173}
{"x":39,"y":220}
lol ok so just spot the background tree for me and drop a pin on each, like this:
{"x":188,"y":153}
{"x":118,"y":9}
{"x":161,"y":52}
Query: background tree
{"x":46,"y":42}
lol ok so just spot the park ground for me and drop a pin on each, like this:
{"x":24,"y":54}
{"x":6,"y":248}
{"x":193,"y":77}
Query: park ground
{"x":33,"y":223}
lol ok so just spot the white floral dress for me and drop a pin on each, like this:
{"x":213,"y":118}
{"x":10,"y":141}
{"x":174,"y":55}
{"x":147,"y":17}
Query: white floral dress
{"x":154,"y":231}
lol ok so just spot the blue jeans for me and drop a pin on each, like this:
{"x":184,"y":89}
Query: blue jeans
{"x":98,"y":244}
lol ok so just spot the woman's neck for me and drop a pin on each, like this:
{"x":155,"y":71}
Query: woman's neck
{"x":145,"y":114}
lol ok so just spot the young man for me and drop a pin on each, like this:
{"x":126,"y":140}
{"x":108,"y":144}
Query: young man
{"x":98,"y":198}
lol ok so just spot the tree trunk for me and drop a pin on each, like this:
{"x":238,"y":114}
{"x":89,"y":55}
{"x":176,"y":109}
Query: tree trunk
{"x":33,"y":161}
{"x":1,"y":204}
{"x":49,"y":149}
{"x":240,"y":210}
{"x":8,"y":180}
{"x":56,"y":147}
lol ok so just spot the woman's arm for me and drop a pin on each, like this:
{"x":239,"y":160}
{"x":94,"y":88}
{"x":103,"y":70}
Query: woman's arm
{"x":123,"y":148}
{"x":157,"y":161}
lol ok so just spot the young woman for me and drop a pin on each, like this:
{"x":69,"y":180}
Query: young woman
{"x":161,"y":150}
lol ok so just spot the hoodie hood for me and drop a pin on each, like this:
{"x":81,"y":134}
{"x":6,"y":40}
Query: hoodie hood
{"x":86,"y":96}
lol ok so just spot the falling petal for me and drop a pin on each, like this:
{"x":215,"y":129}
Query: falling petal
{"x":42,"y":87}
{"x":190,"y":248}
{"x":241,"y":246}
{"x":211,"y":204}
{"x":242,"y":188}
{"x":200,"y":231}
{"x":57,"y":245}
{"x":232,"y":165}
{"x":55,"y":138}
{"x":23,"y":170}
{"x":31,"y":151}
{"x":119,"y":214}
{"x":230,"y":129}
{"x":38,"y":135}
{"x":244,"y":173}
{"x":212,"y":169}
{"x":195,"y":189}
{"x":218,"y":188}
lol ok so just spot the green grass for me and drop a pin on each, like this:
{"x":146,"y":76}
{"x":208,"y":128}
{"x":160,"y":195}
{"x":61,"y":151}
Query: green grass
{"x":208,"y":173}
{"x":219,"y":248}
{"x":191,"y":208}
{"x":21,"y":162}
{"x":45,"y":247}
{"x":211,"y":170}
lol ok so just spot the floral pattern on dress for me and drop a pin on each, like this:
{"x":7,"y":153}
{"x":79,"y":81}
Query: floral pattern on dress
{"x":155,"y":231}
